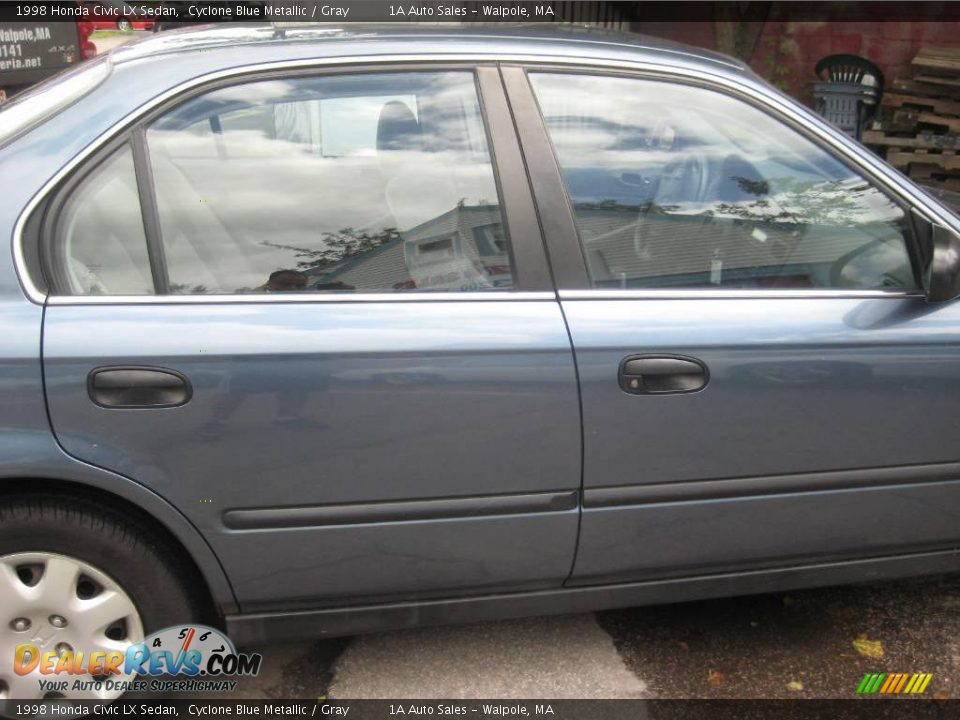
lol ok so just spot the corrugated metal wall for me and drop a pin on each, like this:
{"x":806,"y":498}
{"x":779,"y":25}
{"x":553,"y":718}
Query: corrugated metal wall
{"x":610,"y":15}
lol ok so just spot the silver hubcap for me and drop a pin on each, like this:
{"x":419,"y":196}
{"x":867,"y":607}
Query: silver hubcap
{"x":61,"y":604}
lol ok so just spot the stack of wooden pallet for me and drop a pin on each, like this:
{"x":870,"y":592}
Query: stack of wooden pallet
{"x":918,"y":126}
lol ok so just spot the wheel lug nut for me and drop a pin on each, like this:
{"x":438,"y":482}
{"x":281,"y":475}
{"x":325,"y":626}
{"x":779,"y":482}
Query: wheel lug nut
{"x":63,"y":649}
{"x":58,"y":621}
{"x":20,"y":624}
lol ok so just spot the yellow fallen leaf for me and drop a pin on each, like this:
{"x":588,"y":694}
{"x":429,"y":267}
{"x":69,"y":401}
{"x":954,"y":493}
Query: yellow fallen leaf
{"x":868,"y":648}
{"x":715,"y":677}
{"x":795,"y":685}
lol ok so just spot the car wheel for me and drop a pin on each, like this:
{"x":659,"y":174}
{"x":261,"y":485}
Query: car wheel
{"x":81,"y":578}
{"x":123,"y":25}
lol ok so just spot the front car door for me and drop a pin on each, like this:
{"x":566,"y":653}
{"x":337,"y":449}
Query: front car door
{"x":763,"y":384}
{"x":300,"y":309}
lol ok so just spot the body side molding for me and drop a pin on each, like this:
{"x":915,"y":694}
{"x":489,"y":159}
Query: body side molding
{"x":400,"y":511}
{"x":769,"y":485}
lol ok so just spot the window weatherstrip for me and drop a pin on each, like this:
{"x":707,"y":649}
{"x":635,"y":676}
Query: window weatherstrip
{"x":151,"y":215}
{"x":293,"y":297}
{"x":732,"y":293}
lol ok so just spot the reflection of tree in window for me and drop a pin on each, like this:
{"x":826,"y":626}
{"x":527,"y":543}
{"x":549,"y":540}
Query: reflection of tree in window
{"x":339,"y":246}
{"x":807,"y":202}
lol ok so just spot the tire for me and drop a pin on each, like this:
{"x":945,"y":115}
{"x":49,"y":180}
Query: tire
{"x":42,"y":604}
{"x":123,"y":25}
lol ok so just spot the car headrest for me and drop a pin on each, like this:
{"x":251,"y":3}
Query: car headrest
{"x":739,"y":181}
{"x":397,"y":128}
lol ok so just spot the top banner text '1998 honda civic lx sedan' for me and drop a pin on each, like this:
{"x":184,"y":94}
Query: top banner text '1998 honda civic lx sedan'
{"x":324,"y":331}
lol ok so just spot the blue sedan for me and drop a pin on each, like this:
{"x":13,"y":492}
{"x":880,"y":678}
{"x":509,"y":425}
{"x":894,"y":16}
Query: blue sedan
{"x":319,"y":331}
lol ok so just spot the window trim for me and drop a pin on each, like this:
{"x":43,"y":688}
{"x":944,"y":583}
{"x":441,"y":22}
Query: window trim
{"x":530,"y":269}
{"x":54,"y":205}
{"x":149,"y":211}
{"x":564,"y":244}
{"x":527,"y":248}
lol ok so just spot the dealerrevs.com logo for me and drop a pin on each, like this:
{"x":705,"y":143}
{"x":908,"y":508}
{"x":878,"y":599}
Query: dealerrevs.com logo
{"x":202,"y":655}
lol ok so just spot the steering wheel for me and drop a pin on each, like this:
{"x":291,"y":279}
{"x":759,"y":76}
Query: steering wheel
{"x":683,"y":181}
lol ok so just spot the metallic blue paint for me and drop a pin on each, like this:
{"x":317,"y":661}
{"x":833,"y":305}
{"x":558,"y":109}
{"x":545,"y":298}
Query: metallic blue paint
{"x":30,"y":455}
{"x":796,"y":386}
{"x":330,"y":403}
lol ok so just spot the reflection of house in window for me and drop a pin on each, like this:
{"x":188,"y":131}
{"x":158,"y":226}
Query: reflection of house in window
{"x":432,"y":250}
{"x":463,"y":249}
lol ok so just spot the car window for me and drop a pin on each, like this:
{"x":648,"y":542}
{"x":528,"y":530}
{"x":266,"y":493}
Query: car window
{"x":367,"y":183}
{"x":678,"y":186}
{"x":101,"y":248}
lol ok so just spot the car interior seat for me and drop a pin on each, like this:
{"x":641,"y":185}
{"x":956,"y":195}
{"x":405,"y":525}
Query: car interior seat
{"x":418,"y":179}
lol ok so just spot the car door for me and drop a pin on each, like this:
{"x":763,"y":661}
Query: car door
{"x":763,"y":384}
{"x":300,"y":308}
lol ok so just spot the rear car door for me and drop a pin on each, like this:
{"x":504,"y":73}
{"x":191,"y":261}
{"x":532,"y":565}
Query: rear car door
{"x":301,"y":309}
{"x":762,"y":382}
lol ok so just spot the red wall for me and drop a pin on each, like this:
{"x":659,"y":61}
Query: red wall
{"x":795,"y":47}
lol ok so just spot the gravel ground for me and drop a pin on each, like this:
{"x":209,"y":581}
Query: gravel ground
{"x":293,"y":671}
{"x":800,"y":644}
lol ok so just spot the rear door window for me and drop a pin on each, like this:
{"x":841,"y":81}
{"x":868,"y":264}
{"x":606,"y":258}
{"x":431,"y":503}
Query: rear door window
{"x":359,"y":183}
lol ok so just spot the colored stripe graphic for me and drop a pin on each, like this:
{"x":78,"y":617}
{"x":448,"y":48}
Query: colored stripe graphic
{"x":894,"y":683}
{"x":870,"y":683}
{"x":903,"y":681}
